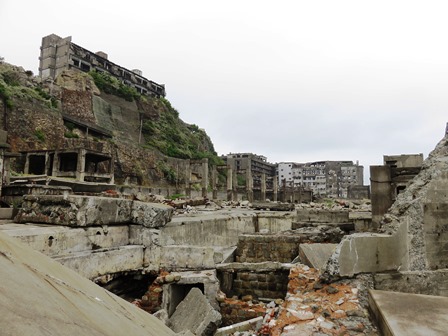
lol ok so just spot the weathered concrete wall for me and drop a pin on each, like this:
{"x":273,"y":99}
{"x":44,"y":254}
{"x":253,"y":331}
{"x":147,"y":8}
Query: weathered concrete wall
{"x":275,"y":222}
{"x":97,"y":263}
{"x":209,"y":230}
{"x":179,"y":257}
{"x":416,"y":282}
{"x":380,"y":180}
{"x":59,"y":240}
{"x":322,"y":216}
{"x":73,"y":210}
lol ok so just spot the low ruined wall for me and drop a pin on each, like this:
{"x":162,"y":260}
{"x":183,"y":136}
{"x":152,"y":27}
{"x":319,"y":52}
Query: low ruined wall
{"x":322,"y":216}
{"x":262,"y":284}
{"x":235,"y":311}
{"x":262,"y":247}
{"x":275,"y":221}
{"x":261,"y":280}
{"x":212,"y":230}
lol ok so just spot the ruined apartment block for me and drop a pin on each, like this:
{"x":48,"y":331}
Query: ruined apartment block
{"x":323,"y":178}
{"x":58,"y":54}
{"x":390,"y":179}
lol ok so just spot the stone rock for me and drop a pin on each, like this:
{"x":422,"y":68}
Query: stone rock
{"x":247,"y":298}
{"x":195,"y":314}
{"x":169,"y":278}
{"x":332,"y":290}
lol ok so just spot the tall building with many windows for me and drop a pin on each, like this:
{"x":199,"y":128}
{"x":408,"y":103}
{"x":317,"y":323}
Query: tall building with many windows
{"x":323,"y":178}
{"x":58,"y":54}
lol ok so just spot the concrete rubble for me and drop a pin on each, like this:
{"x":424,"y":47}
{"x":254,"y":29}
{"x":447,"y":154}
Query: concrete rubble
{"x":195,"y":314}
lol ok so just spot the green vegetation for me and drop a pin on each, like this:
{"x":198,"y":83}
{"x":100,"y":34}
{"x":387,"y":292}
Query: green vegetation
{"x":174,"y":138}
{"x":11,"y":86}
{"x":71,"y":135}
{"x":241,"y":180}
{"x":111,"y":85}
{"x":168,"y":173}
{"x":5,"y":95}
{"x":40,"y":135}
{"x":176,"y":196}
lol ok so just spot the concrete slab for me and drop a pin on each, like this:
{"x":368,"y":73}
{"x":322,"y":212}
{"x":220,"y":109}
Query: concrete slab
{"x":41,"y":297}
{"x":195,"y":314}
{"x":403,"y":314}
{"x":316,"y":255}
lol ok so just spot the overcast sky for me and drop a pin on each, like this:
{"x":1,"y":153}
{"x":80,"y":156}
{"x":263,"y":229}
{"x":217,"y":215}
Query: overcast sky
{"x":291,"y":80}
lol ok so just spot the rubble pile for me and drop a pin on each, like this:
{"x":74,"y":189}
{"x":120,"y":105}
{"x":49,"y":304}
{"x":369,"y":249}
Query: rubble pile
{"x":314,"y":308}
{"x":337,"y":204}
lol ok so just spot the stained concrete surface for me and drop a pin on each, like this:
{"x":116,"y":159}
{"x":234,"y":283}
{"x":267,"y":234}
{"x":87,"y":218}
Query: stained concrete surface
{"x":315,"y":255}
{"x":38,"y":296}
{"x":403,"y":314}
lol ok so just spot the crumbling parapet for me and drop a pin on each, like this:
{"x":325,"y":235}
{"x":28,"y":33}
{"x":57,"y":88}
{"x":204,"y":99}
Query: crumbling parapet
{"x":74,"y":210}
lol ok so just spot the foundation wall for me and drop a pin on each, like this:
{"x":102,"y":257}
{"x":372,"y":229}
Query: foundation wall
{"x":259,"y":248}
{"x":271,"y":284}
{"x":237,"y":312}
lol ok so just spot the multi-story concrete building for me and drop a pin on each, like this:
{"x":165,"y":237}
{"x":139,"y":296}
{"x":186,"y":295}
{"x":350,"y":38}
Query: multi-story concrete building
{"x":324,"y":178}
{"x":257,"y":164}
{"x":58,"y":54}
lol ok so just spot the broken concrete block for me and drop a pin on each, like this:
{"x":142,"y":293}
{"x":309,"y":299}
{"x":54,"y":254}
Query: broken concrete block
{"x":195,"y":314}
{"x":316,"y":255}
{"x":153,"y":215}
{"x":74,"y":210}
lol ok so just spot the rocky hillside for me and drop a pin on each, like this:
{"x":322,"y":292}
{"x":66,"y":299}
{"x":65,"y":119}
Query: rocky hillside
{"x":146,"y":136}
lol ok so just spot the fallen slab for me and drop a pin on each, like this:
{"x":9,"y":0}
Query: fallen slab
{"x":195,"y":314}
{"x":316,"y":255}
{"x":42,"y":297}
{"x":409,"y":314}
{"x":75,"y":210}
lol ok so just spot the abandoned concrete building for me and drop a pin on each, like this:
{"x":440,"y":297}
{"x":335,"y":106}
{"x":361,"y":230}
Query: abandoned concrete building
{"x":390,"y":179}
{"x":324,"y":178}
{"x":58,"y":54}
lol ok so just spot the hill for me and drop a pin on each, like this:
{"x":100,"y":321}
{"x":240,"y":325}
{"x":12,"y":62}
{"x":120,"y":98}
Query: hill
{"x":148,"y":140}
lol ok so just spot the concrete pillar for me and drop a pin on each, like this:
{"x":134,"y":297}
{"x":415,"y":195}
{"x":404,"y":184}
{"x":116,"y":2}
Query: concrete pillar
{"x":56,"y":160}
{"x":204,"y":177}
{"x":188,"y":179}
{"x":263,"y":187}
{"x":81,"y":165}
{"x":112,"y":170}
{"x":26,"y":169}
{"x":249,"y":186}
{"x":229,"y":181}
{"x":235,"y":185}
{"x":275,"y":187}
{"x":381,"y":192}
{"x":47,"y":163}
{"x":214,"y":181}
